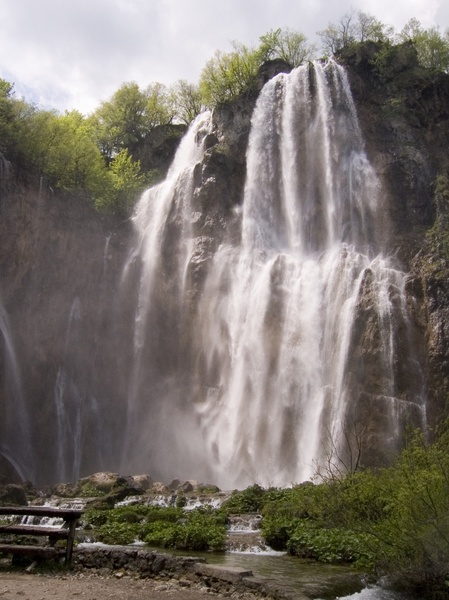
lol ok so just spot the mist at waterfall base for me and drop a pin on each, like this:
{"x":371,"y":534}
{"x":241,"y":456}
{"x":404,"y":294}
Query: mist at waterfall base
{"x":245,"y":360}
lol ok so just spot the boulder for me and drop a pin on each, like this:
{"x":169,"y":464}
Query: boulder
{"x":12,"y":494}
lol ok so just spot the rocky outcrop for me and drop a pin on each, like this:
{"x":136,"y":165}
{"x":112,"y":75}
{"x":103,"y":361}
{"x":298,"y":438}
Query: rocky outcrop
{"x":404,"y":115}
{"x":156,"y":152}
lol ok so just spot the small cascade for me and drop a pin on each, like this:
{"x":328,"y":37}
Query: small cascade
{"x":244,"y":535}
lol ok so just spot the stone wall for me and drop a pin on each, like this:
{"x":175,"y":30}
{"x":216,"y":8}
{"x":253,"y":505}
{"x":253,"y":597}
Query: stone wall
{"x":188,"y":572}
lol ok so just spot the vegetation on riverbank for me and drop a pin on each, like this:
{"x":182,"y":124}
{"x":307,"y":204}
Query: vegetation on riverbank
{"x":390,"y":522}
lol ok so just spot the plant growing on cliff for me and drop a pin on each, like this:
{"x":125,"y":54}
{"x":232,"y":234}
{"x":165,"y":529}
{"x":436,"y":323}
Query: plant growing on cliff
{"x":188,"y":102}
{"x":286,"y":44}
{"x":353,"y":27}
{"x":127,"y":182}
{"x":131,"y":113}
{"x":432,"y":46}
{"x":226,"y":76}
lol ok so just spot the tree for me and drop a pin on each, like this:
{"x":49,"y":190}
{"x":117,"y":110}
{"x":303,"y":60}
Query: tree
{"x":431,"y":45}
{"x":6,"y":113}
{"x":127,"y":183}
{"x":13,"y":113}
{"x":351,"y":28}
{"x":187,"y":101}
{"x":228,"y":75}
{"x":286,"y":44}
{"x":126,"y":119}
{"x":339,"y":35}
{"x":119,"y":122}
{"x":370,"y":28}
{"x":415,"y":534}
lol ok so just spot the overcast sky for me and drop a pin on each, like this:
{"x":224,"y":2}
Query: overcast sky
{"x":68,"y":54}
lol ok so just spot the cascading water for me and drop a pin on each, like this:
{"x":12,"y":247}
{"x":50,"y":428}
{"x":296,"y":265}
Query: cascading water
{"x":283,"y":333}
{"x":301,"y":330}
{"x":163,"y":222}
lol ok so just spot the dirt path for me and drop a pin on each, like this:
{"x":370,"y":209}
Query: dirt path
{"x":17,"y":586}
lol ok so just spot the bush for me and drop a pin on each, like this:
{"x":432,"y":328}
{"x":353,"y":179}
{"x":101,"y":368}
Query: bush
{"x":170,"y":527}
{"x":197,"y":531}
{"x":334,"y":545}
{"x":414,"y":536}
{"x":250,"y":500}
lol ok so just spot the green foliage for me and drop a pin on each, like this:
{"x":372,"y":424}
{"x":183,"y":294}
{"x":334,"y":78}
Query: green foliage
{"x":335,"y":545}
{"x":226,"y":76}
{"x":392,"y":521}
{"x":287,"y":44}
{"x":198,"y":531}
{"x":187,"y":101}
{"x":414,"y":536}
{"x":249,"y":500}
{"x":165,"y":527}
{"x":431,"y":45}
{"x":127,"y":183}
{"x":7,"y":116}
{"x":126,"y":119}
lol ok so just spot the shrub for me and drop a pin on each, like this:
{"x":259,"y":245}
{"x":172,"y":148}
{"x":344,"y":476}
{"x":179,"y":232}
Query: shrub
{"x":334,"y":545}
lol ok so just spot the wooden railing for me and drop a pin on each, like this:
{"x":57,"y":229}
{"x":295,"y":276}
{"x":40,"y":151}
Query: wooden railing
{"x":66,"y":532}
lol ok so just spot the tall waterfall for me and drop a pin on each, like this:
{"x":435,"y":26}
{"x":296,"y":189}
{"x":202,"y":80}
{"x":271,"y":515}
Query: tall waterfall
{"x":298,"y":338}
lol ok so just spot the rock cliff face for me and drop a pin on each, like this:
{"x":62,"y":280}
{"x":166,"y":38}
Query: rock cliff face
{"x":67,"y":343}
{"x":404,"y":114}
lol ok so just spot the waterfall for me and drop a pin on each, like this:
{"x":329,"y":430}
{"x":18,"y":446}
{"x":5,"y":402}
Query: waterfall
{"x":284,"y":333}
{"x":156,"y":423}
{"x":296,"y":347}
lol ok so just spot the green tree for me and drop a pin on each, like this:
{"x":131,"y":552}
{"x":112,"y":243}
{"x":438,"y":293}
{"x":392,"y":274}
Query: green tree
{"x":431,"y":45}
{"x":228,"y":75}
{"x":126,"y":119}
{"x":127,"y":183}
{"x":351,"y":28}
{"x":187,"y":101}
{"x":415,"y":535}
{"x":6,"y":114}
{"x":286,"y":44}
{"x":14,"y":113}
